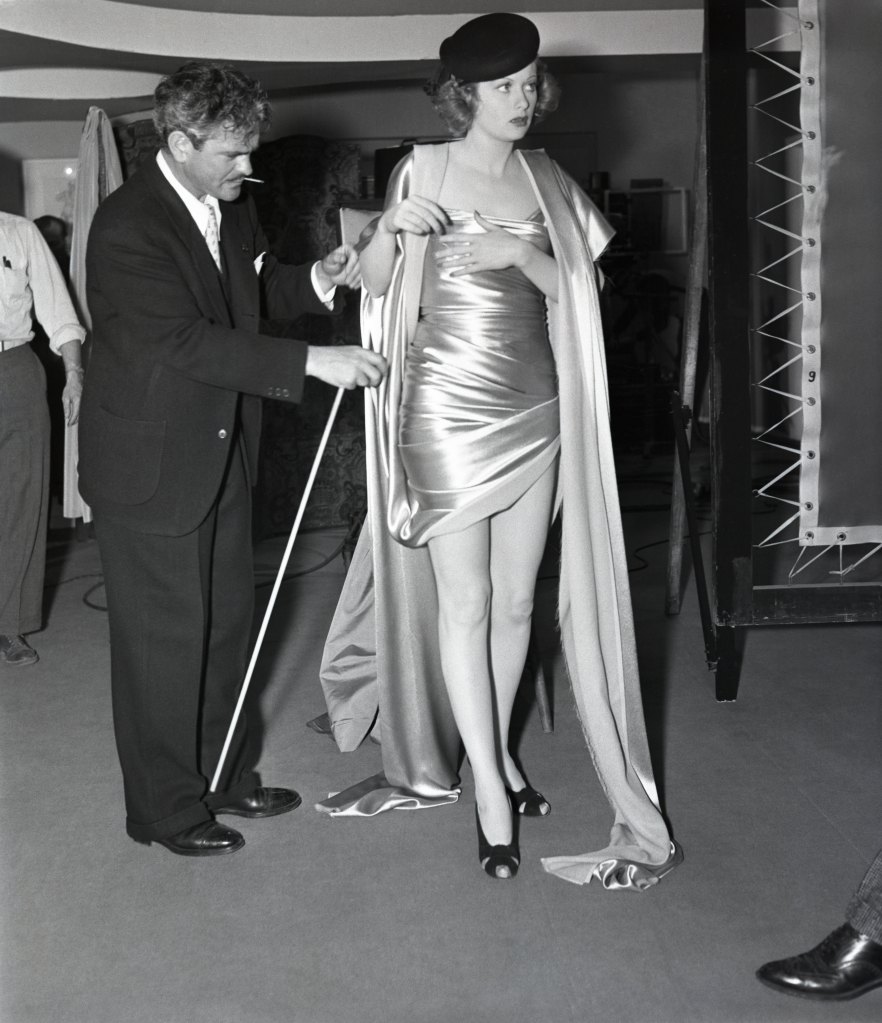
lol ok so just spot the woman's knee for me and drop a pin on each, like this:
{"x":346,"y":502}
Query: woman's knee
{"x":465,"y":604}
{"x":513,"y":607}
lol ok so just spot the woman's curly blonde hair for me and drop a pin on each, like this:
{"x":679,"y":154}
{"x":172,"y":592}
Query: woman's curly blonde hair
{"x":456,"y":101}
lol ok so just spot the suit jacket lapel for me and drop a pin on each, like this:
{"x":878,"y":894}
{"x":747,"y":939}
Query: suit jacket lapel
{"x":188,"y":234}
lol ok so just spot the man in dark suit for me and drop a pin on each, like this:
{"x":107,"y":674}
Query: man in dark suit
{"x":177,"y":269}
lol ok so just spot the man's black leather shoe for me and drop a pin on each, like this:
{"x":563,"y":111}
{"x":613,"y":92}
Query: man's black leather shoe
{"x":262,"y":802}
{"x":207,"y":838}
{"x":844,"y":965}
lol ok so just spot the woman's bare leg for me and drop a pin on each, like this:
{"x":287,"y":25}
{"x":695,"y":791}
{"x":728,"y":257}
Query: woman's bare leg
{"x":461,"y":562}
{"x":517,"y":542}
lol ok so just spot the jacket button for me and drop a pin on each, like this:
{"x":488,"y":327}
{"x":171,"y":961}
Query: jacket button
{"x":285,"y":393}
{"x":222,"y":434}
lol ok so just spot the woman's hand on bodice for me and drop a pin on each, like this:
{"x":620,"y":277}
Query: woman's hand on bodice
{"x":493,"y":248}
{"x":415,"y":215}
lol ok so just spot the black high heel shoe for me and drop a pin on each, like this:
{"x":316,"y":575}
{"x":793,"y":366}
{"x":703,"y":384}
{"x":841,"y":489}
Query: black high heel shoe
{"x":493,"y":857}
{"x":530,"y":803}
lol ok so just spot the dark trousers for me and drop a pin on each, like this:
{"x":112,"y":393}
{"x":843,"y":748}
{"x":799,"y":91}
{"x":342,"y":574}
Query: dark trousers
{"x":864,"y":912}
{"x":180,"y":610}
{"x":24,"y":490}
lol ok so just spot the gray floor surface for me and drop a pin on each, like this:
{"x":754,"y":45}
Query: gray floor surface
{"x":775,"y":799}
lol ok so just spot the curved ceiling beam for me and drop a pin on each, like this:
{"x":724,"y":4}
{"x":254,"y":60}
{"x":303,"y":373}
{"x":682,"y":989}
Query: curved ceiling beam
{"x":137,"y":29}
{"x":75,"y":83}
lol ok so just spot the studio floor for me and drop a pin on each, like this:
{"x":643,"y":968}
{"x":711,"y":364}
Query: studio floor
{"x":774,"y":798}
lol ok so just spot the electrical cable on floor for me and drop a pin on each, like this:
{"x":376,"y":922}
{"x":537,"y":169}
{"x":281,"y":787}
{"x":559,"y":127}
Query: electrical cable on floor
{"x":258,"y":571}
{"x":304,"y":571}
{"x":89,"y":592}
{"x":73,"y":579}
{"x":634,"y":554}
{"x":656,"y":543}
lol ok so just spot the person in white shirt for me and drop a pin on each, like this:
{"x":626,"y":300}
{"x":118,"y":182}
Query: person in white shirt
{"x":31,"y":286}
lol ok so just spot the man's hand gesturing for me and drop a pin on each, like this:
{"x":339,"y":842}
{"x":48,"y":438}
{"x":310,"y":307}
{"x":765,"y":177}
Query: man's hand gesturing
{"x":339,"y":267}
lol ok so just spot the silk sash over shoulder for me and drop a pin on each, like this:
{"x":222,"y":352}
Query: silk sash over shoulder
{"x":382,"y":657}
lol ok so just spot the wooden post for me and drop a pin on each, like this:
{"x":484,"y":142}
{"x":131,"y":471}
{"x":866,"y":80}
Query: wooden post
{"x":725,"y":57}
{"x":689,"y":358}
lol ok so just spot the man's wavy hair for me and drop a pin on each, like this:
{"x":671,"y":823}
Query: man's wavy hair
{"x":456,"y":101}
{"x":202,"y":98}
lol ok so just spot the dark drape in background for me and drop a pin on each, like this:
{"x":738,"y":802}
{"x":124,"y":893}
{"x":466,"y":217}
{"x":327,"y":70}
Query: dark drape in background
{"x":306,"y":180}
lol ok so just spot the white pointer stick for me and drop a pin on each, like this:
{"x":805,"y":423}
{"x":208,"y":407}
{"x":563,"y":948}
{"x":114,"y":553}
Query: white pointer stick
{"x":281,"y":573}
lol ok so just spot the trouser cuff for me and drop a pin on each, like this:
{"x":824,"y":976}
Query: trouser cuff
{"x":865,"y":920}
{"x":243,"y":787}
{"x":168,"y":826}
{"x":194,"y":814}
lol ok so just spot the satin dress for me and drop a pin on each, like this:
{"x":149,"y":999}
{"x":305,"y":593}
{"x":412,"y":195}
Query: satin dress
{"x":479,"y":418}
{"x":381,"y":666}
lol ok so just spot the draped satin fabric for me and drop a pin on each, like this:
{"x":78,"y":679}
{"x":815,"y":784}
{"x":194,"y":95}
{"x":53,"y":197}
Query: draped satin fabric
{"x":479,"y":410}
{"x":382,"y":651}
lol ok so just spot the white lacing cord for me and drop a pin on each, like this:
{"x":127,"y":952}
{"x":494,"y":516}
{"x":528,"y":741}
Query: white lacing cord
{"x":844,"y":571}
{"x":794,"y":571}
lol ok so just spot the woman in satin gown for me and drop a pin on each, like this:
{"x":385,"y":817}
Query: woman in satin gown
{"x":461,"y":277}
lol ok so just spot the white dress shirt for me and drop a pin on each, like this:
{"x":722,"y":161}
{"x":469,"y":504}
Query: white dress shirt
{"x":32,"y":285}
{"x":199,"y":212}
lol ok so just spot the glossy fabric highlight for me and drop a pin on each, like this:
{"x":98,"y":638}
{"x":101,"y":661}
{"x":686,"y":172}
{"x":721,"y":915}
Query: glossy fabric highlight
{"x":479,"y":412}
{"x":402,"y":678}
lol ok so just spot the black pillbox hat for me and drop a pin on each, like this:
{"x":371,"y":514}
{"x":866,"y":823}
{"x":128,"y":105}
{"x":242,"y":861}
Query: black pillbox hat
{"x":490,"y":47}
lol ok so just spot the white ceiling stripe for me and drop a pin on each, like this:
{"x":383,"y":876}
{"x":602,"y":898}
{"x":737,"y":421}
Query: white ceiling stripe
{"x":154,"y":30}
{"x":75,"y":83}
